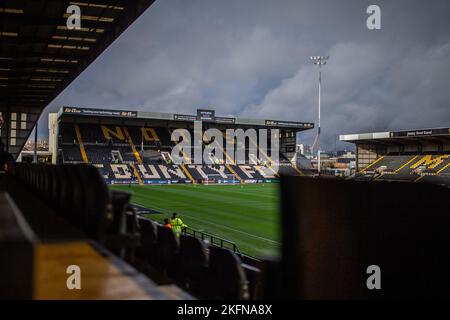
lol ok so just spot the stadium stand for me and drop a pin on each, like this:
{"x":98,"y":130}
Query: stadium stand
{"x":194,"y":261}
{"x":409,"y":156}
{"x":73,"y":202}
{"x":138,"y":151}
{"x":69,"y":216}
{"x":70,"y":209}
{"x":59,"y":215}
{"x":227,"y":278}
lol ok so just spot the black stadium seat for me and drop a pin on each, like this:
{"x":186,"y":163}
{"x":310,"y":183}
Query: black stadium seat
{"x":120,"y":201}
{"x":75,"y":206}
{"x":97,"y":201}
{"x":166,"y":251}
{"x":48,"y":180}
{"x":131,"y":219}
{"x":54,"y":187}
{"x":147,"y":230}
{"x":79,"y":194}
{"x":227,"y":279}
{"x":65,"y":190}
{"x":193,"y":262}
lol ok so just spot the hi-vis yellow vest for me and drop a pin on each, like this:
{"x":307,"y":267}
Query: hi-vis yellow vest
{"x":177,"y":224}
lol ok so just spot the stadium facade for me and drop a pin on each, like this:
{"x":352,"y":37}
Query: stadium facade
{"x":135,"y":147}
{"x":410,"y":155}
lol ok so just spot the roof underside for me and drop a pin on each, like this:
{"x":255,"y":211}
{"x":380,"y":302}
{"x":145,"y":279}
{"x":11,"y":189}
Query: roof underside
{"x":40,"y":57}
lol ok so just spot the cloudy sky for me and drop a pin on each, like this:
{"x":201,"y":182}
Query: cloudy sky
{"x":250,"y":58}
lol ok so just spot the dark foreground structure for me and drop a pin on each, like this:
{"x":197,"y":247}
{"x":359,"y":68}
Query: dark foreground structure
{"x":54,"y":217}
{"x":333,"y":230}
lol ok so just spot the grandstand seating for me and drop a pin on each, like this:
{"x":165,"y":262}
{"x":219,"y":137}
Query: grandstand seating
{"x":75,"y":192}
{"x":249,"y":173}
{"x":148,"y":231}
{"x":167,"y":251}
{"x":227,"y":278}
{"x":71,"y":153}
{"x":98,"y":154}
{"x":67,"y":133}
{"x":79,"y":195}
{"x":408,"y":168}
{"x":91,"y":133}
{"x":389,"y":163}
{"x":210,"y":172}
{"x":205,"y":270}
{"x":132,"y":154}
{"x":194,"y":261}
{"x":445,"y":170}
{"x":432,"y":163}
{"x":151,"y":137}
{"x":152,"y":156}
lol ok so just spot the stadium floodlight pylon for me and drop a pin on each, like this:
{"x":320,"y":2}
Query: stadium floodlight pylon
{"x":319,"y":61}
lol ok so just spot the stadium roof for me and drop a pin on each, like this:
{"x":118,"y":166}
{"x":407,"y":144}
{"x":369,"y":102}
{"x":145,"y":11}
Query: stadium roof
{"x":440,"y":135}
{"x":205,"y":115}
{"x":40,"y":56}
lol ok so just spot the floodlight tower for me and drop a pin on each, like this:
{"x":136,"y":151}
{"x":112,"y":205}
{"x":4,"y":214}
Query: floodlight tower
{"x":319,"y":61}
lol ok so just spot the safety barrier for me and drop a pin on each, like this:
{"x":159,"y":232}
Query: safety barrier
{"x":213,"y":240}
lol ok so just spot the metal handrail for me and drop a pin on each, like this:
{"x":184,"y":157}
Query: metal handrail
{"x":213,"y":240}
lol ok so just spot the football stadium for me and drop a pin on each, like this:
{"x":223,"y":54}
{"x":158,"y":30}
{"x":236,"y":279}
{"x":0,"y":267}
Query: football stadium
{"x":140,"y":204}
{"x":133,"y":152}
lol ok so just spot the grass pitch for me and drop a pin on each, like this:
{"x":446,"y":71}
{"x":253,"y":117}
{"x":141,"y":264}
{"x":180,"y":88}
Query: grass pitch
{"x":245,"y":214}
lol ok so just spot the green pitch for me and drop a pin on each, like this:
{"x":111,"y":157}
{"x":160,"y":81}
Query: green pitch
{"x":245,"y":214}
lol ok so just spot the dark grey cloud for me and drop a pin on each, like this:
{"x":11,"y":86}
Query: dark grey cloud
{"x":251,"y":58}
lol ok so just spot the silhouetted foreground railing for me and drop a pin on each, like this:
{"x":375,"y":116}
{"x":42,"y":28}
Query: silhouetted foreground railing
{"x":213,"y":240}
